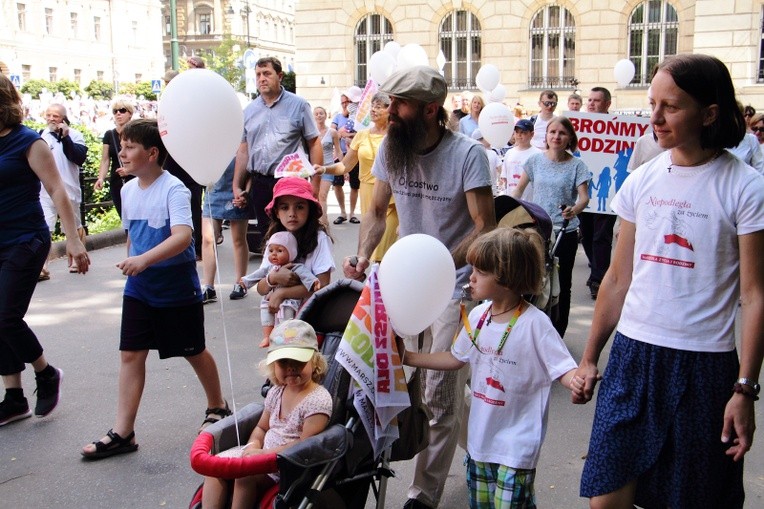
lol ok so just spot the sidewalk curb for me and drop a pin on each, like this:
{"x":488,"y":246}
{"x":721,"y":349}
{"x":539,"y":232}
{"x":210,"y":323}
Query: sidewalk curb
{"x":92,"y":242}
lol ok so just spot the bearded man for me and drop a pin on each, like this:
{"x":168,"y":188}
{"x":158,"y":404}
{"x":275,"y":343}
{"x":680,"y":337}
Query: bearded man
{"x":441,"y":181}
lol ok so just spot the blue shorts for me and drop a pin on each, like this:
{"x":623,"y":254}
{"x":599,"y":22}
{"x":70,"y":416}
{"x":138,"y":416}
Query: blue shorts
{"x":658,"y":419}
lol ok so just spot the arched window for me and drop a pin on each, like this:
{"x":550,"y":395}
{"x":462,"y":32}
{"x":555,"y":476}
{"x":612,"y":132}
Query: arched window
{"x":653,"y":31}
{"x":460,"y":43}
{"x":553,"y":48}
{"x":371,"y":35}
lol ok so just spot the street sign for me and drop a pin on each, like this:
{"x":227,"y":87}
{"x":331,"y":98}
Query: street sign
{"x":156,"y":86}
{"x":250,"y":59}
{"x":16,"y":80}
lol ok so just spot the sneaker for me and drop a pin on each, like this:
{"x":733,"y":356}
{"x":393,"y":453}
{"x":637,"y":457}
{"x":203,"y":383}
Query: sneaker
{"x":209,"y":295}
{"x":239,"y":292}
{"x":48,"y":392}
{"x":11,"y":411}
{"x":413,"y":503}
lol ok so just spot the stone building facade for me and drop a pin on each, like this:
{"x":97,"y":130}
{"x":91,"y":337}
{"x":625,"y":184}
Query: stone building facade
{"x":536,"y":44}
{"x":115,"y":41}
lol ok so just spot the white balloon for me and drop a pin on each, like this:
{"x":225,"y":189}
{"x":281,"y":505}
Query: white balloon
{"x":201,"y":122}
{"x":496,"y":122}
{"x":497,"y":94}
{"x":393,"y":48}
{"x":381,"y":66}
{"x":487,"y":77}
{"x":412,"y":55}
{"x":417,"y":278}
{"x":624,"y":72}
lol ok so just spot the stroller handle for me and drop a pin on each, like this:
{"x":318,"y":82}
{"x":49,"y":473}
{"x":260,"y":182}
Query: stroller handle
{"x":207,"y":464}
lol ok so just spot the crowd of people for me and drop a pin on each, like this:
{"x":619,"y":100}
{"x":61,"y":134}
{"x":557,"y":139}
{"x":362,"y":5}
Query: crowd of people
{"x":674,"y":414}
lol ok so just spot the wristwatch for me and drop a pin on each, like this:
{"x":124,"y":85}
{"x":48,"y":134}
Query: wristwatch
{"x":750,"y":383}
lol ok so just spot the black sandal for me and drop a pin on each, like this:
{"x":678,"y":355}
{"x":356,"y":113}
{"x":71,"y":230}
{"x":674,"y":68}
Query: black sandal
{"x":213,"y":415}
{"x":117,"y":445}
{"x":340,"y":220}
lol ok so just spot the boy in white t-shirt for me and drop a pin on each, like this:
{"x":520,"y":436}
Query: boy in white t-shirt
{"x":515,"y":354}
{"x":514,"y":160}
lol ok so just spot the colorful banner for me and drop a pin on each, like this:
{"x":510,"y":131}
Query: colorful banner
{"x":362,"y":119}
{"x":369,"y":353}
{"x":605,"y":144}
{"x":294,"y":165}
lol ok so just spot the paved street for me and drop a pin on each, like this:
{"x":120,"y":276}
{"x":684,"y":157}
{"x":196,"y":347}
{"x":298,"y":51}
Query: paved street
{"x":77,"y":319}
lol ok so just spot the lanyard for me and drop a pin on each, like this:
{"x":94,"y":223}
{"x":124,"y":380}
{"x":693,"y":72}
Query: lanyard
{"x":483,"y":317}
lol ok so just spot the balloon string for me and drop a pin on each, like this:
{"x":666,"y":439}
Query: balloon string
{"x":222,"y":317}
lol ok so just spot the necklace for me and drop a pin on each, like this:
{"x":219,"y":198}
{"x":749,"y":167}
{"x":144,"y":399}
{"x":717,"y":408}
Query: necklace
{"x":702,"y":162}
{"x":490,"y":309}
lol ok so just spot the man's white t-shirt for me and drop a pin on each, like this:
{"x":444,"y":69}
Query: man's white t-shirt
{"x":539,"y":132}
{"x":685,"y":280}
{"x":513,"y":168}
{"x":510,"y":389}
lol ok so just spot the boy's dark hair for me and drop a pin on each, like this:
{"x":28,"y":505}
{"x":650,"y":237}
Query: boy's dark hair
{"x":146,"y":132}
{"x":273,"y":61}
{"x":568,"y":125}
{"x":707,"y":80}
{"x":515,"y":258}
{"x":307,"y":236}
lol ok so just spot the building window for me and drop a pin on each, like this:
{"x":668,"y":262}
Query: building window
{"x":371,"y":35}
{"x":135,"y":33}
{"x":78,"y":76}
{"x":653,"y":32}
{"x":52,"y":74}
{"x":760,"y":78}
{"x":167,"y":25}
{"x":99,"y":75}
{"x":460,"y":44}
{"x":138,"y":77}
{"x":26,"y":72}
{"x":21,"y":9}
{"x":48,"y":21}
{"x":73,"y":20}
{"x":97,"y":28}
{"x":205,"y":23}
{"x":553,"y":48}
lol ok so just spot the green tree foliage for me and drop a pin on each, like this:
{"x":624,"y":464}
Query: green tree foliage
{"x":227,"y":62}
{"x":98,"y":89}
{"x":290,"y":81}
{"x":35,"y":87}
{"x":68,"y":88}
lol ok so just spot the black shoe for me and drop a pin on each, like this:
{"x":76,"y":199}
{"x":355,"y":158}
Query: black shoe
{"x":413,"y":503}
{"x":48,"y":392}
{"x":209,"y":295}
{"x":239,"y":292}
{"x":13,"y":410}
{"x":594,"y":289}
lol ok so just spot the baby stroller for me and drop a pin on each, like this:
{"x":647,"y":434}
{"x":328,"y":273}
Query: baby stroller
{"x":333,"y":469}
{"x":516,"y":213}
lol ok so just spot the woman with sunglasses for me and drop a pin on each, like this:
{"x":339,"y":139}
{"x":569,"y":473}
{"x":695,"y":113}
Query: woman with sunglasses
{"x":123,"y":113}
{"x":757,"y":127}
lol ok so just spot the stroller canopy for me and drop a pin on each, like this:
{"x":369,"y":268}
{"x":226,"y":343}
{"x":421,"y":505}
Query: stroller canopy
{"x":513,"y":212}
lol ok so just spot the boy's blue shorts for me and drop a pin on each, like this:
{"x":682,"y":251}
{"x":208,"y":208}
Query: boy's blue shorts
{"x":173,"y":331}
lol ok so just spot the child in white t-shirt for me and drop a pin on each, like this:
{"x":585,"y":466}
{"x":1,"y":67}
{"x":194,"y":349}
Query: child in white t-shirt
{"x":513,"y":165}
{"x":515,"y":354}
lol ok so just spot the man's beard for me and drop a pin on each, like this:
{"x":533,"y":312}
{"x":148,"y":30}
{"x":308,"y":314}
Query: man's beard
{"x":404,"y":142}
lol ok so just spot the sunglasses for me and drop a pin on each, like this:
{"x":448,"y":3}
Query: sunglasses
{"x":747,"y":114}
{"x":757,"y":129}
{"x":119,"y":110}
{"x":549,"y":104}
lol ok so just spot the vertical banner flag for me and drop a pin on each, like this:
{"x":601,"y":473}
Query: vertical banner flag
{"x":362,"y":117}
{"x":605,"y":144}
{"x":369,"y":353}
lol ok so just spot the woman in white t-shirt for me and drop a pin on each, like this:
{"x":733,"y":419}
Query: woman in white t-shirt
{"x":675,"y":413}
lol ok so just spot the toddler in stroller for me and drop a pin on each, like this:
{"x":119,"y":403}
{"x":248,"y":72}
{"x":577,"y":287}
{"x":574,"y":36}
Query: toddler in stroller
{"x":332,"y":469}
{"x":297,"y":407}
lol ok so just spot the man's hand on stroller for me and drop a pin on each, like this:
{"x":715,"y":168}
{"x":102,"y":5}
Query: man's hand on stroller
{"x":355,"y":267}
